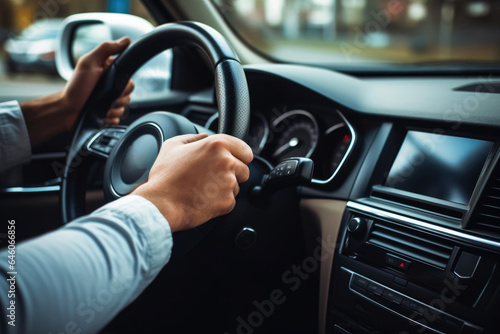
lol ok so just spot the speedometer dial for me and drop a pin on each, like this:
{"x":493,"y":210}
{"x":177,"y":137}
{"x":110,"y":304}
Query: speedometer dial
{"x":297,"y":133}
{"x":258,"y":133}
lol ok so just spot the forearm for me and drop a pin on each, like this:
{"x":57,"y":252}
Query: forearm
{"x":45,"y":117}
{"x":83,"y":274}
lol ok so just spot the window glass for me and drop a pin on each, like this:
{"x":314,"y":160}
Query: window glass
{"x":354,"y":32}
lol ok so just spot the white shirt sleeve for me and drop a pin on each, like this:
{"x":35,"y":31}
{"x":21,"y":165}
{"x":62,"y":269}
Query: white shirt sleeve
{"x":77,"y":278}
{"x":15,"y":147}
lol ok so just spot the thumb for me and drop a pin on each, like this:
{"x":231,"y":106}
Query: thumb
{"x":106,"y":49}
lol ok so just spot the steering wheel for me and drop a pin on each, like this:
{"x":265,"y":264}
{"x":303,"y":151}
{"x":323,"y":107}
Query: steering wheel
{"x":130,"y":152}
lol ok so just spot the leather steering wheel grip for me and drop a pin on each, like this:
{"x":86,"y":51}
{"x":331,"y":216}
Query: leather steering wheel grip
{"x":230,"y":81}
{"x":232,"y":98}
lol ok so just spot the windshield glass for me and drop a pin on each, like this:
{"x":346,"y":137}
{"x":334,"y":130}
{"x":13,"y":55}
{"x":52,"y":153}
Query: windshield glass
{"x":370,"y":32}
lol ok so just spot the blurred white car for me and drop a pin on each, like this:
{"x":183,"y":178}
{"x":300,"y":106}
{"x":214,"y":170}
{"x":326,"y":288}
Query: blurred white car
{"x":34,"y":49}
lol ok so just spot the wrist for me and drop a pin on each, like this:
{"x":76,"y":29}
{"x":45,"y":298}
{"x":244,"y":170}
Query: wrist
{"x":169,"y":210}
{"x":45,"y":117}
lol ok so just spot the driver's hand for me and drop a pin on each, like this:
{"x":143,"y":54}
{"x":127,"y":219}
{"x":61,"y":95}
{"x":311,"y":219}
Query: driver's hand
{"x":195,"y":178}
{"x":57,"y":113}
{"x":88,"y":70}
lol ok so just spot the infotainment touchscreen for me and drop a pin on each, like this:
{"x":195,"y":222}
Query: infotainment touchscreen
{"x":439,"y":166}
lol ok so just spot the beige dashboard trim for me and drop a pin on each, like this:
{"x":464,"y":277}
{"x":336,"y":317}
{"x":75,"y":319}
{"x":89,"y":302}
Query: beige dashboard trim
{"x":329,"y":216}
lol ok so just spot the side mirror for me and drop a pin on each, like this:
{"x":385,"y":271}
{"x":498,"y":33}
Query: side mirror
{"x":80,"y":33}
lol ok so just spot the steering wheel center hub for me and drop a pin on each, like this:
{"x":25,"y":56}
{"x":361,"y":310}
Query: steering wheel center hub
{"x":133,"y":157}
{"x":130,"y":161}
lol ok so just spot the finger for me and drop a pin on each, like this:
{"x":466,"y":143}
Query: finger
{"x":242,"y":172}
{"x":129,"y":88}
{"x":106,"y":49}
{"x":122,"y":101}
{"x":238,"y":148}
{"x":236,"y":190}
{"x":115,"y":112}
{"x":112,"y":121}
{"x":108,"y":62}
{"x":228,"y":208}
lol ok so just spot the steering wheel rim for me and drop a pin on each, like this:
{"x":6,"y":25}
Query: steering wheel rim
{"x":230,"y":87}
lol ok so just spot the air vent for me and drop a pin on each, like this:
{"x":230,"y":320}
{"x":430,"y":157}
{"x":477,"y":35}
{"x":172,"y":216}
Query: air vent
{"x":411,"y":244}
{"x":486,"y":216}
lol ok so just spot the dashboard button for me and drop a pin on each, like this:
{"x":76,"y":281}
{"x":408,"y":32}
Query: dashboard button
{"x":397,"y":262}
{"x":360,"y":281}
{"x":413,"y":306}
{"x":400,"y":281}
{"x":375,"y":288}
{"x":466,"y":265}
{"x":392,"y":296}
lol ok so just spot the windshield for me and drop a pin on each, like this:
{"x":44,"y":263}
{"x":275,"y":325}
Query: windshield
{"x":369,"y":32}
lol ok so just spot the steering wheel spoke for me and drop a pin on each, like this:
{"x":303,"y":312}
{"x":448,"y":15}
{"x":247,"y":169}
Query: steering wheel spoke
{"x":104,"y":140}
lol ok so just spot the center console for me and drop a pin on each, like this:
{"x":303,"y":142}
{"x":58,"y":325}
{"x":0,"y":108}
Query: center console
{"x":410,"y":256}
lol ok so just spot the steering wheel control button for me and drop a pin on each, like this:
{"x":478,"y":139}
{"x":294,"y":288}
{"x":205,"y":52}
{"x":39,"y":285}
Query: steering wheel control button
{"x":103,"y":142}
{"x":295,"y":171}
{"x":280,"y":170}
{"x":290,"y":167}
{"x":291,"y":172}
{"x":397,"y":262}
{"x":246,"y":238}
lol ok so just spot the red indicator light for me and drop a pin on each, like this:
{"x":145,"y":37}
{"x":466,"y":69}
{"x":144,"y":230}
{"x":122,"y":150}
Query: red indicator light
{"x":345,"y":139}
{"x":402,"y":265}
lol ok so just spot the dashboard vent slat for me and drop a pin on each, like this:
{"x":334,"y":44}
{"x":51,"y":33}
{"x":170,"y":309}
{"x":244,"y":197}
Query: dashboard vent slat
{"x":412,"y":244}
{"x":486,"y":216}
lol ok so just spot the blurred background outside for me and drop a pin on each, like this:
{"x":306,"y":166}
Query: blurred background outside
{"x":28,"y":30}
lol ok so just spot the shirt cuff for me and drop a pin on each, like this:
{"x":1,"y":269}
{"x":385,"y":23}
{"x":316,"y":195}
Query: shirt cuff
{"x":152,"y":224}
{"x":15,"y":147}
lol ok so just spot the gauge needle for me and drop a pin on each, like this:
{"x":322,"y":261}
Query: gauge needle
{"x":291,"y":143}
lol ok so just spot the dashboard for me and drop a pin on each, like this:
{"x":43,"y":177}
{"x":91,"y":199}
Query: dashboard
{"x":416,"y":162}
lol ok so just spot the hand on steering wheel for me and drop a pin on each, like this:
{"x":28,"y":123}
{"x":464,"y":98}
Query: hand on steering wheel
{"x":195,"y":178}
{"x":88,"y":71}
{"x":130,"y":153}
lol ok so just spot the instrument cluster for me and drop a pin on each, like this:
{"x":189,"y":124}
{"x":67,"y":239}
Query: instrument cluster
{"x":275,"y":136}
